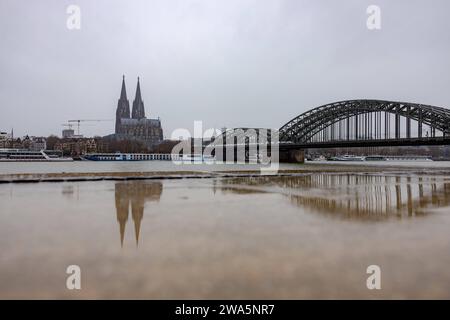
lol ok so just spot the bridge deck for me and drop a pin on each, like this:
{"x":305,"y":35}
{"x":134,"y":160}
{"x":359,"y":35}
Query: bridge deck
{"x":368,"y":143}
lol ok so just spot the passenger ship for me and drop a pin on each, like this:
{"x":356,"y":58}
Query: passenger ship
{"x":21,"y":155}
{"x":118,"y":156}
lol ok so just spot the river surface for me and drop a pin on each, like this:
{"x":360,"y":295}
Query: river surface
{"x":157,"y":166}
{"x":312,"y":235}
{"x":122,"y":166}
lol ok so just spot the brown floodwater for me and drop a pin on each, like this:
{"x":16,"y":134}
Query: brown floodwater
{"x":304,"y":236}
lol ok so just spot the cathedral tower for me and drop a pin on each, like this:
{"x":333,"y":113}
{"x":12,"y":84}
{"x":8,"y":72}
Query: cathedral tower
{"x":138,"y":111}
{"x":123,"y":107}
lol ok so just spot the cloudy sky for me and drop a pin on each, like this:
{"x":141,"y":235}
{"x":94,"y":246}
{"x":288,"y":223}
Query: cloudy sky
{"x":255,"y":63}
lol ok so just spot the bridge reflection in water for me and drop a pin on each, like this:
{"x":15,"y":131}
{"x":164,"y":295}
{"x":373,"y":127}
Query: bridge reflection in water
{"x":134,"y":194}
{"x":351,"y":196}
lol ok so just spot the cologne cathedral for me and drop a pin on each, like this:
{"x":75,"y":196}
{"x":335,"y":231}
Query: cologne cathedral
{"x":136,"y":126}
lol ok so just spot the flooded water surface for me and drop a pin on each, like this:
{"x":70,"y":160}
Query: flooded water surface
{"x":290,"y":237}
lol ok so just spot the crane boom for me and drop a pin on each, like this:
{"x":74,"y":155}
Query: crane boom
{"x":78,"y":121}
{"x":83,"y":120}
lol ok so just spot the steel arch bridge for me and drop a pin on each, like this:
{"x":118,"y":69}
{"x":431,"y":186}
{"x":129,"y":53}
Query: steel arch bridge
{"x":243,"y":135}
{"x":362,"y":123}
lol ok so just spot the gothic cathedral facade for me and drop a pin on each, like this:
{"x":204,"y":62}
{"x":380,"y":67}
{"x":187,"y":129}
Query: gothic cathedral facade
{"x":136,"y":126}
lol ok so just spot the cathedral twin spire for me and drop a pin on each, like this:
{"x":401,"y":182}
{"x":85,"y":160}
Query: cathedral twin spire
{"x":138,"y":105}
{"x":123,"y":107}
{"x":134,"y":124}
{"x":123,"y":92}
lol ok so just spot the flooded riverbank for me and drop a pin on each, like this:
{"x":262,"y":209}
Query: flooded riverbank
{"x":306,"y":236}
{"x":97,"y":171}
{"x":95,"y":167}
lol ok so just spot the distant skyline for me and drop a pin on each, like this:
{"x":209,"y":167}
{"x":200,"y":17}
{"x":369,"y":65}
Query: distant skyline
{"x":228,"y":63}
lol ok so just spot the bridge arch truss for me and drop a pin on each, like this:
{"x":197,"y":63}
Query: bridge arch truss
{"x":352,"y":120}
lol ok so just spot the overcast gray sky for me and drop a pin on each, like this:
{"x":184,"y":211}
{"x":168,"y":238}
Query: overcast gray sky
{"x":229,"y":63}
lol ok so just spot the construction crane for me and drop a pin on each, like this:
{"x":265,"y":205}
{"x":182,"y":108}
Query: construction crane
{"x":78,"y":121}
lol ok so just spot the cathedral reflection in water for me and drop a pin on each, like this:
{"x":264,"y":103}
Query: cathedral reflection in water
{"x":133,"y":195}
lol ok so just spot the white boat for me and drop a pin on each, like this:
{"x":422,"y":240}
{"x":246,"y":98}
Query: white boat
{"x":409,"y":158}
{"x":22,"y":155}
{"x":118,"y":156}
{"x":348,"y":158}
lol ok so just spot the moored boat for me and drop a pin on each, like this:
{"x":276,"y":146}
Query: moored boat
{"x":348,"y":158}
{"x":375,"y":158}
{"x":22,"y":155}
{"x":118,"y":156}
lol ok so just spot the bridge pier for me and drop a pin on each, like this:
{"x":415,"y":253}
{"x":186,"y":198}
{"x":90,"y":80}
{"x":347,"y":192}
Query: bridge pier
{"x":292,"y":156}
